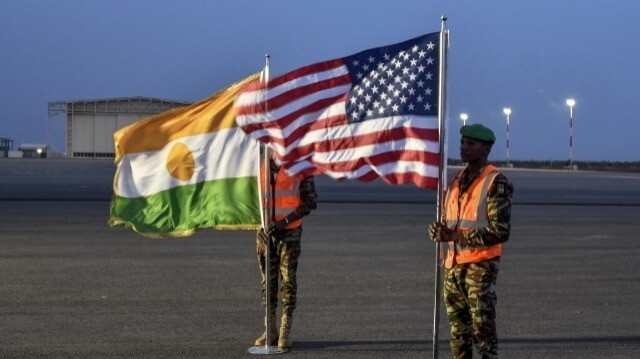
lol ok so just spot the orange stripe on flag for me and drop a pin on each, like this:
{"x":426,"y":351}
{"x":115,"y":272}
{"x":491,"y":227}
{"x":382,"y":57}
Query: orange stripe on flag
{"x":210,"y":115}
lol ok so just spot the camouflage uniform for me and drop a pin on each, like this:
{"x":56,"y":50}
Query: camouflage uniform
{"x":285,"y":250}
{"x":470,"y":289}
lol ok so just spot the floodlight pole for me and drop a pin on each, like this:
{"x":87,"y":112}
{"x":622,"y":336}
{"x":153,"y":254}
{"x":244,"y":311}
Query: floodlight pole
{"x":464,"y":117}
{"x":571,"y":102}
{"x":507,"y":112}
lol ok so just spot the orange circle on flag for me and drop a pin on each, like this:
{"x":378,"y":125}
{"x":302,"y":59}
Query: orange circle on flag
{"x":180,"y":162}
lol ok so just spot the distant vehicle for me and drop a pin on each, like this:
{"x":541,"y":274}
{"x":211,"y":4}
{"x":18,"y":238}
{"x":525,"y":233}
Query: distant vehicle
{"x":33,"y":150}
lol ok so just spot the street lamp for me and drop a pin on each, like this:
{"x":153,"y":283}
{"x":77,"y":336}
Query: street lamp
{"x":507,"y":112}
{"x":571,"y":102}
{"x":464,"y":117}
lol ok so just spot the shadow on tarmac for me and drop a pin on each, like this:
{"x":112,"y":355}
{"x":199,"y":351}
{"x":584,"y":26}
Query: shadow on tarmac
{"x":360,"y":344}
{"x":423,"y":345}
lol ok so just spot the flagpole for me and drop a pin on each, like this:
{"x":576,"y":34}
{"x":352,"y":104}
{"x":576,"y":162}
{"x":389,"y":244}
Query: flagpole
{"x":266,"y":222}
{"x":442,"y":172}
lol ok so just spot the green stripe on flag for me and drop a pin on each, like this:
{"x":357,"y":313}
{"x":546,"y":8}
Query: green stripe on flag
{"x":230,"y":203}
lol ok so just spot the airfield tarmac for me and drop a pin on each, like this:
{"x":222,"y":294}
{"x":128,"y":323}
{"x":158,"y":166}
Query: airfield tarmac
{"x":569,"y":284}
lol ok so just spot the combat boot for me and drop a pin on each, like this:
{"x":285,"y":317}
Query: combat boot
{"x":284,"y":341}
{"x":273,"y":331}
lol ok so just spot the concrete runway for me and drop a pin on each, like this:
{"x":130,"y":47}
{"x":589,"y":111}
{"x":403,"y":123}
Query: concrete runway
{"x":74,"y":288}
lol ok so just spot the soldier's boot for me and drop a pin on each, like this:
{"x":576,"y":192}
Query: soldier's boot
{"x":273,"y":331}
{"x":284,"y":341}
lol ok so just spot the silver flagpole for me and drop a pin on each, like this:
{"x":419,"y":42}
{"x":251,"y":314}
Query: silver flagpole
{"x":266,"y":222}
{"x":442,"y":172}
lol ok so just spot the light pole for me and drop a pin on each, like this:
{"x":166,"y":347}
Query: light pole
{"x":464,"y":117}
{"x":507,"y":112}
{"x":571,"y":102}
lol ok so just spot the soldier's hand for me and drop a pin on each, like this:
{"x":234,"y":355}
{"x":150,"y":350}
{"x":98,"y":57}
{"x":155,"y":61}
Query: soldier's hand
{"x":440,"y":233}
{"x":263,"y":236}
{"x":276,"y":227}
{"x":433,"y":230}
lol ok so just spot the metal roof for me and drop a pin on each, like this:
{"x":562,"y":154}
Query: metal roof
{"x":139,"y":104}
{"x":123,"y":99}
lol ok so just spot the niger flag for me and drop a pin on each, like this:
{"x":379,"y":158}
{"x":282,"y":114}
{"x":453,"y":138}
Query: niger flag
{"x":187,"y":168}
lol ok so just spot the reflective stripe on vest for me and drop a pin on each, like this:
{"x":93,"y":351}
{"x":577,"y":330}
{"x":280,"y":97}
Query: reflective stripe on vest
{"x":286,"y":196}
{"x":469,"y":211}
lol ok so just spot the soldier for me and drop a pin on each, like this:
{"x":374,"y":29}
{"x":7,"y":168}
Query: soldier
{"x":291,"y":200}
{"x":476,"y":221}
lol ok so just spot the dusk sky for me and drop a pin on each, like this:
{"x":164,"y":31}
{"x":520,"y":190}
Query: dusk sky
{"x":529,"y":55}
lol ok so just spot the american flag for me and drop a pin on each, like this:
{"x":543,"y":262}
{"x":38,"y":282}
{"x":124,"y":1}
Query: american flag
{"x":369,"y":115}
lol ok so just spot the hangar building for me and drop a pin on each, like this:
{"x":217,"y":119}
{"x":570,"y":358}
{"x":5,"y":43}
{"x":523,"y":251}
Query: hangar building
{"x":90,"y":124}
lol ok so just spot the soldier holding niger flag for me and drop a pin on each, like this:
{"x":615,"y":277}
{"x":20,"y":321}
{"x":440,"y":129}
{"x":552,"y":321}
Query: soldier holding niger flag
{"x":291,"y":199}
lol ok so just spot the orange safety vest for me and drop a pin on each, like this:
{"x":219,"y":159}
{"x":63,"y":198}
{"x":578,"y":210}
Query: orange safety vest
{"x":285,"y":197}
{"x":469,"y":211}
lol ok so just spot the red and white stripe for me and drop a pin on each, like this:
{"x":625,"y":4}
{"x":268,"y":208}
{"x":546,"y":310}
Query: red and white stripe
{"x":301,"y":117}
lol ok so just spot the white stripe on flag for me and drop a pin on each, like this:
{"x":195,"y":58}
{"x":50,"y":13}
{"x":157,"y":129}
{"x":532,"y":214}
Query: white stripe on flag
{"x":259,"y":96}
{"x":355,"y":153}
{"x":144,"y":174}
{"x":362,"y":128}
{"x":292,"y":106}
{"x":382,"y":170}
{"x":311,"y":117}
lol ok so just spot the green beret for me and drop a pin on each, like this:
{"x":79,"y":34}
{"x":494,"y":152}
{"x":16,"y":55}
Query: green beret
{"x":478,"y":132}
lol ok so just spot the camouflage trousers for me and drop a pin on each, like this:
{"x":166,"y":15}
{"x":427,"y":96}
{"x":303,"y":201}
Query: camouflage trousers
{"x":283,"y":265}
{"x":470,"y":298}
